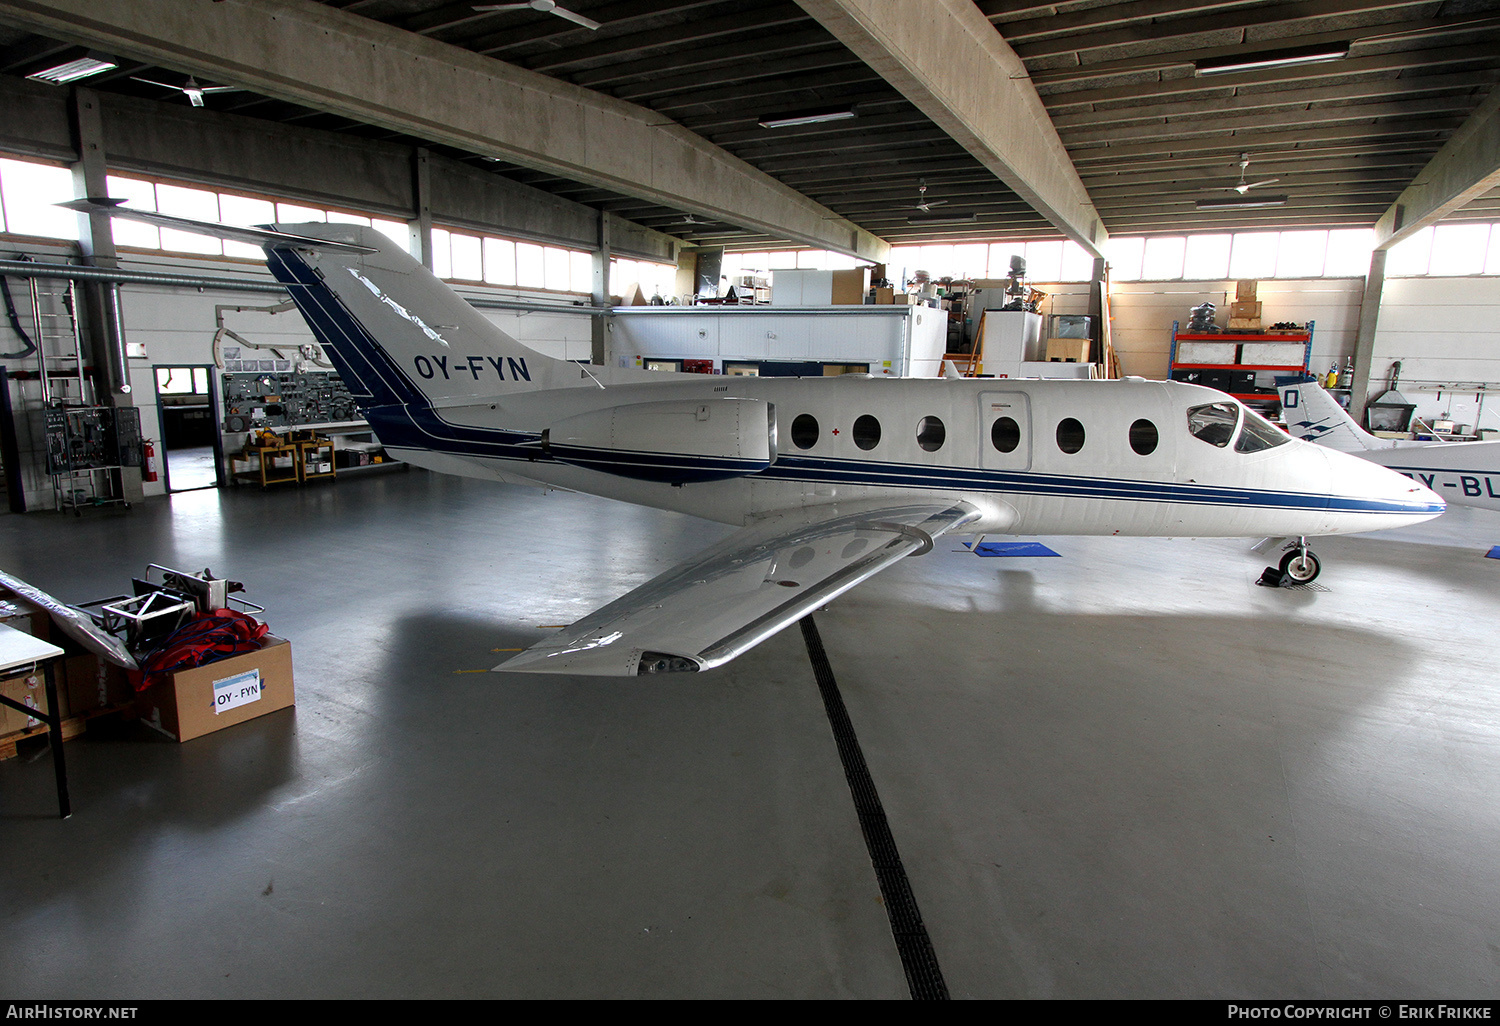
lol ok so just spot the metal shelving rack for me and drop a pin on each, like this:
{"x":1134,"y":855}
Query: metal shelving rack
{"x":1241,"y":340}
{"x":80,"y":443}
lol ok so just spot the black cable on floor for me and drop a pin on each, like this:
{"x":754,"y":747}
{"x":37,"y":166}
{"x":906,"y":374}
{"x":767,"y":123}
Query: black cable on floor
{"x":923,"y":975}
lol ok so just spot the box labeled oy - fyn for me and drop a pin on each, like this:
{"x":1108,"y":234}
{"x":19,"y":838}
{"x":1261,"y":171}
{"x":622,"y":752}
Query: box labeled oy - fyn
{"x":191,"y":703}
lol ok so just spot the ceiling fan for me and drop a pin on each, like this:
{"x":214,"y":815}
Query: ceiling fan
{"x":191,"y":89}
{"x":923,"y":203}
{"x":545,"y":7}
{"x":1244,"y":186}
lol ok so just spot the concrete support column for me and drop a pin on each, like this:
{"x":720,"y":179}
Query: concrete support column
{"x":421,"y":190}
{"x":96,"y":242}
{"x":100,"y":318}
{"x":1364,"y":342}
{"x":600,"y":351}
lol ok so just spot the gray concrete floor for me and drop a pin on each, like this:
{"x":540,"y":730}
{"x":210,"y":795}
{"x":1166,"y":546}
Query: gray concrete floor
{"x":191,"y":468}
{"x":1127,"y":772}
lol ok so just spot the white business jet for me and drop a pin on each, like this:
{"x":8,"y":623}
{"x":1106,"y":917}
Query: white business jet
{"x":1467,"y":473}
{"x":830,"y":479}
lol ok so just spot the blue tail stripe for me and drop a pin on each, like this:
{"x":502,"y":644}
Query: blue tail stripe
{"x":369,"y":364}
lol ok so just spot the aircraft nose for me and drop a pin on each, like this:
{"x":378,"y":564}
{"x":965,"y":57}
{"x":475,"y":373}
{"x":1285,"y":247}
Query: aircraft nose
{"x":1362,"y":484}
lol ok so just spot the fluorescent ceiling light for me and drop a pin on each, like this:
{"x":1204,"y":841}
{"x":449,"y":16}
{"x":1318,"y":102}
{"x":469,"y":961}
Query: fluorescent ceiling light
{"x":72,"y":71}
{"x":1241,"y":202}
{"x":942,"y":219}
{"x":792,"y":119}
{"x":1283,"y":58}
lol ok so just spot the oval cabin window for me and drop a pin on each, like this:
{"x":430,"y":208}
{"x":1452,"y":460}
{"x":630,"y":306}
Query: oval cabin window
{"x":866,"y":432}
{"x":805,"y":431}
{"x":1143,"y":437}
{"x":1005,"y":434}
{"x":930,"y":433}
{"x":1069,"y":435}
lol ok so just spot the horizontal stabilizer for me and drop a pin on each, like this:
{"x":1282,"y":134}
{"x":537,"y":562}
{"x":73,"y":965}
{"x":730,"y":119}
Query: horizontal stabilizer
{"x":726,"y":600}
{"x":234,"y":233}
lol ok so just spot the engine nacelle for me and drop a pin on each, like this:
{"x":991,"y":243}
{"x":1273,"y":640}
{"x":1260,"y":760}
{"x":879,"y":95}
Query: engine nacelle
{"x":676,"y":441}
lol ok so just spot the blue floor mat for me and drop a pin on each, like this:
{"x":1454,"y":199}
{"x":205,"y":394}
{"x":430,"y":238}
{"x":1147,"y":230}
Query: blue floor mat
{"x":1015,"y":549}
{"x":1494,"y":552}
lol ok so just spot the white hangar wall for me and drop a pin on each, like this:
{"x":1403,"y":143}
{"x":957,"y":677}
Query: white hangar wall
{"x":176,"y":326}
{"x":1142,"y":313}
{"x":1442,"y":330}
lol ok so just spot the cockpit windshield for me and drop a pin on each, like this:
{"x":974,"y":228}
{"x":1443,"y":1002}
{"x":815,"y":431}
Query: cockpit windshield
{"x":1214,"y":423}
{"x":1259,"y":433}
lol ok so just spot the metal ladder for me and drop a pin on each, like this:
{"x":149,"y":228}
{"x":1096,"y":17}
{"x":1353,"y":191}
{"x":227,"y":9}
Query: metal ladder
{"x":54,"y":315}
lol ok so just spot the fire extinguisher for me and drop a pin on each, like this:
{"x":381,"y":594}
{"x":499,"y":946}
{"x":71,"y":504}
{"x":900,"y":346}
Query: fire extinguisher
{"x":149,"y":451}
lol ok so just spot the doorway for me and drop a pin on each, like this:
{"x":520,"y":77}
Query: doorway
{"x":192,"y":448}
{"x":1005,"y":427}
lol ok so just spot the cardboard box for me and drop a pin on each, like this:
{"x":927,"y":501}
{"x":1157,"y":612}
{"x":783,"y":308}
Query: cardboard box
{"x":191,"y":703}
{"x":1244,"y":324}
{"x":87,"y":684}
{"x":803,"y":287}
{"x":885,"y":296}
{"x":1246,"y":309}
{"x":1244,"y":290}
{"x":29,"y":689}
{"x":1068,"y":350}
{"x":850,"y":286}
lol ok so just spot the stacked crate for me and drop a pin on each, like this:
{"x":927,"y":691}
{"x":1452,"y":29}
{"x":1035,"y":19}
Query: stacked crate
{"x":1244,"y":312}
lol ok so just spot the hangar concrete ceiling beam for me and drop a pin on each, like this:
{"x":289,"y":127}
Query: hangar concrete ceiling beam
{"x":1465,"y":168}
{"x":952,"y":64}
{"x":312,"y":54}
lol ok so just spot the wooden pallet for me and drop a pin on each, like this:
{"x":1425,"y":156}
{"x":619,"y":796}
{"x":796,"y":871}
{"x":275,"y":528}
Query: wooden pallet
{"x":71,"y":728}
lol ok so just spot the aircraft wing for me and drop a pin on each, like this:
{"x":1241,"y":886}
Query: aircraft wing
{"x":71,"y":622}
{"x":733,"y":596}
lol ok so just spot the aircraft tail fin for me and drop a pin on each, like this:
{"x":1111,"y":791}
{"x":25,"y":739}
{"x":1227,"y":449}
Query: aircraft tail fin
{"x":397,"y":333}
{"x":1312,"y":414}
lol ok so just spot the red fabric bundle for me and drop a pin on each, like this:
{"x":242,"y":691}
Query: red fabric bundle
{"x":207,"y":638}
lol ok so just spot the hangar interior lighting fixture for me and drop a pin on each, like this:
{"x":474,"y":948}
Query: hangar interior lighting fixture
{"x":73,"y":71}
{"x":1241,"y":202}
{"x":792,"y":119}
{"x":1285,"y":57}
{"x":954,"y":218}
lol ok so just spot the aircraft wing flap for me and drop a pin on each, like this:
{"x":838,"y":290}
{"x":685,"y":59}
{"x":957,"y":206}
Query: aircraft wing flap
{"x":728,"y":599}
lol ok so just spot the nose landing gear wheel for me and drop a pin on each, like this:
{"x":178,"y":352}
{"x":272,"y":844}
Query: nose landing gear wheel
{"x":1301,"y":566}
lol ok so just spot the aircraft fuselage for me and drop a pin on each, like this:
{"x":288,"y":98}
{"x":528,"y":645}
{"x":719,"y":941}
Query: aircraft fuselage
{"x":1094,"y":457}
